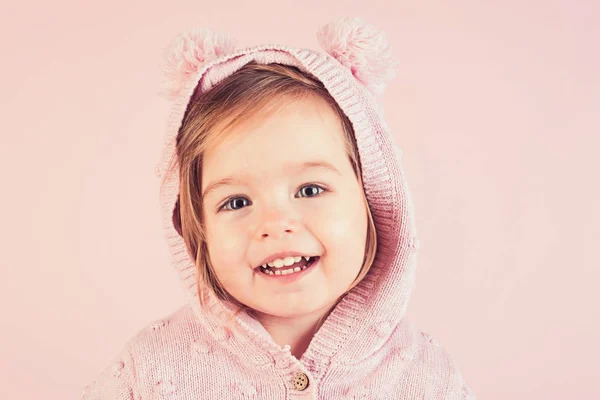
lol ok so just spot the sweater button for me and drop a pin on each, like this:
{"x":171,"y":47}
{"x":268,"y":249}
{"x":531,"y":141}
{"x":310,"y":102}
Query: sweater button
{"x":300,"y":381}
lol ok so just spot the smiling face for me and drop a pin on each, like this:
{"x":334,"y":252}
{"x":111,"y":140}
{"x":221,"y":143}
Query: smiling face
{"x":274,"y":205}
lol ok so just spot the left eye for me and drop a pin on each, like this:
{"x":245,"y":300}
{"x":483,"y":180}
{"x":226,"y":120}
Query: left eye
{"x":312,"y":186}
{"x":238,"y":201}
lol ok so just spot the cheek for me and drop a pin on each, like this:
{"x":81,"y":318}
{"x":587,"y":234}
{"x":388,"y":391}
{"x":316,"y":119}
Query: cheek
{"x":226,"y":248}
{"x":343,"y":228}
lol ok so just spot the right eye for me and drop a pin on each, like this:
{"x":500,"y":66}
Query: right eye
{"x":233,"y":200}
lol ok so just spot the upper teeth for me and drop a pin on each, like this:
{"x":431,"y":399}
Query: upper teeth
{"x":281,"y":262}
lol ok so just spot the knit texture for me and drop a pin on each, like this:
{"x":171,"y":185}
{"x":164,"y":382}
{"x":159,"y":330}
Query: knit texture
{"x":365,"y":349}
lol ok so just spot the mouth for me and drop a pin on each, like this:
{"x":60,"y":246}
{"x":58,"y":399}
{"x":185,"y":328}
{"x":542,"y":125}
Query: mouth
{"x":293,"y":269}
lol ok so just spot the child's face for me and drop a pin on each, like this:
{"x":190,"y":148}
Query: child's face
{"x":274,"y":209}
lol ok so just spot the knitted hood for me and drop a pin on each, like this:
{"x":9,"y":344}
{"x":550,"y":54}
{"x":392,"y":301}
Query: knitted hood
{"x":355,"y":64}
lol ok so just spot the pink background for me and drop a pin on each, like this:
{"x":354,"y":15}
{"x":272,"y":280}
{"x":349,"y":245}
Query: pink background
{"x":496,"y":108}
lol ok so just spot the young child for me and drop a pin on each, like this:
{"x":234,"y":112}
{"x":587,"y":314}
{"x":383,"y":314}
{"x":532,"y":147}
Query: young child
{"x":292,"y":230}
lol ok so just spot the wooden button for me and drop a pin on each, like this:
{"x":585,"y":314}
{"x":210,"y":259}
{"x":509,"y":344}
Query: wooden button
{"x":300,"y":381}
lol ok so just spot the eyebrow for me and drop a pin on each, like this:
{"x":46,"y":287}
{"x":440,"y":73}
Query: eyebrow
{"x":292,"y":167}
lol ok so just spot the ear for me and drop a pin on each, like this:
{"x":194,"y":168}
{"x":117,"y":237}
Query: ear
{"x":188,"y":53}
{"x":361,"y":48}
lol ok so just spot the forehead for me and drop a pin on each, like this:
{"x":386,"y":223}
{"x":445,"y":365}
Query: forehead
{"x":276,"y":141}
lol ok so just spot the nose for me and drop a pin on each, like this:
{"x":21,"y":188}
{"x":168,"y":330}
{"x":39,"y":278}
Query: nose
{"x":277,"y":222}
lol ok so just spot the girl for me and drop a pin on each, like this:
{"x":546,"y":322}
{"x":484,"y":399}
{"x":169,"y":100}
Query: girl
{"x":291,"y":228}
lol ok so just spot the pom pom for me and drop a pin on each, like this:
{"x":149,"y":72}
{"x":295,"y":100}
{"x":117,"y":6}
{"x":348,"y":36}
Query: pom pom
{"x":362,"y":48}
{"x":188,"y":53}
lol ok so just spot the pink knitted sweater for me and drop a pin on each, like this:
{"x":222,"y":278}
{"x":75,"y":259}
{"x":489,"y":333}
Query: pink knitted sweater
{"x":366,"y":348}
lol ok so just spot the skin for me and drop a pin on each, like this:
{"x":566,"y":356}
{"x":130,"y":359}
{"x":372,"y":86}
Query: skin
{"x":274,"y":209}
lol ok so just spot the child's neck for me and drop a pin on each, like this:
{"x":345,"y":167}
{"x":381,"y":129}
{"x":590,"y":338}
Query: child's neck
{"x":297,"y":332}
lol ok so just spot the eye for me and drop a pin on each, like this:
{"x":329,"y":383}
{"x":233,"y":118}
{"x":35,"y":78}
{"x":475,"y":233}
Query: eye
{"x":237,"y":201}
{"x":312,"y":186}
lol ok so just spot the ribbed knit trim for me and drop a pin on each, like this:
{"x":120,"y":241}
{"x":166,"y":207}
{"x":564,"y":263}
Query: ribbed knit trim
{"x":383,"y":294}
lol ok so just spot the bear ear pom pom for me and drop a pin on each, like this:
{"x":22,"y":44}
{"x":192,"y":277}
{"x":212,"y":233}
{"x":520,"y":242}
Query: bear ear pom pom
{"x":188,"y":53}
{"x":362,"y":48}
{"x":358,"y":46}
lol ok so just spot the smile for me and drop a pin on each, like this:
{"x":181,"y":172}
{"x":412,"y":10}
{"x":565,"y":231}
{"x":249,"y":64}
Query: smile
{"x":293,"y":269}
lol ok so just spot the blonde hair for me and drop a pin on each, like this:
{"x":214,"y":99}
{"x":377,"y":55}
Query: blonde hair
{"x":205,"y":124}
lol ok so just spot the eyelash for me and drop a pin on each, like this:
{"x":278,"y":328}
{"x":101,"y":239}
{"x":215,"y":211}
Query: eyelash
{"x":222,"y":207}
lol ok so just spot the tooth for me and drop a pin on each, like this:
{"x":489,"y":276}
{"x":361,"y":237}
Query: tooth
{"x":297,"y":269}
{"x":285,"y":262}
{"x":288,"y":261}
{"x":278,"y":272}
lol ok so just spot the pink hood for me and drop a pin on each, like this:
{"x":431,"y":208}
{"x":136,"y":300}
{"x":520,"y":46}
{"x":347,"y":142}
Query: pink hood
{"x":364,"y":319}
